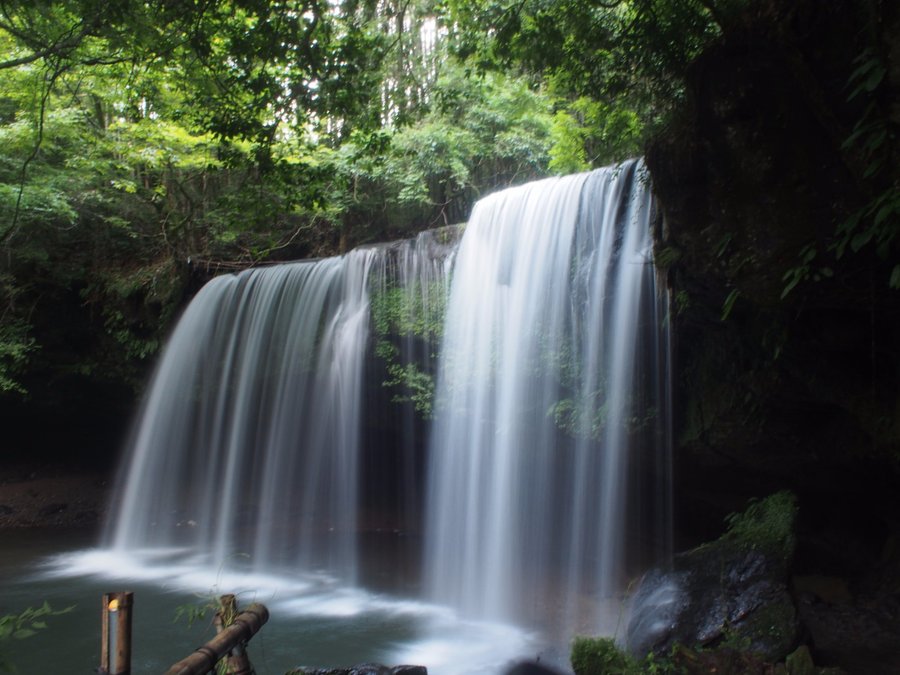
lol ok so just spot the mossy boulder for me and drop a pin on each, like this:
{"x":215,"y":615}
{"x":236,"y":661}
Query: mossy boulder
{"x":730,"y":593}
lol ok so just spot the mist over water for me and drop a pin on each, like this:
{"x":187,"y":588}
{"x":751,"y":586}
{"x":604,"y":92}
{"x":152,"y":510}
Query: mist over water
{"x":519,"y":494}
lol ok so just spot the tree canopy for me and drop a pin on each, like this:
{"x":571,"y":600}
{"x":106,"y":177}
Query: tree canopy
{"x":143,"y":141}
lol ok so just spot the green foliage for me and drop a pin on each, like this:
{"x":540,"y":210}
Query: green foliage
{"x":728,"y":305}
{"x":15,"y":346}
{"x":601,"y":656}
{"x":631,"y":55}
{"x":416,"y":310}
{"x":682,"y":302}
{"x":207,"y":606}
{"x":806,"y":270}
{"x":877,"y":224}
{"x":661,"y":665}
{"x":870,"y":149}
{"x":572,"y":416}
{"x":16,"y":342}
{"x":418,"y":387}
{"x":204,"y":609}
{"x":800,"y":662}
{"x":479,"y":133}
{"x":24,"y":625}
{"x":134,"y":304}
{"x":589,"y":133}
{"x":401,"y":313}
{"x":766,"y":524}
{"x":139,"y":140}
{"x":568,"y":154}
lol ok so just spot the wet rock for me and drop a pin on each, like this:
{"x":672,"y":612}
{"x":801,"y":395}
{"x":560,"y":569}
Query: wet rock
{"x":731,"y":593}
{"x":369,"y":669}
{"x":863,"y":636}
{"x":531,"y":668}
{"x":362,"y":669}
{"x":723,"y":661}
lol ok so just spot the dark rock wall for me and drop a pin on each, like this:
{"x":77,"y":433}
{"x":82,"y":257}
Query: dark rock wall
{"x":799,"y":392}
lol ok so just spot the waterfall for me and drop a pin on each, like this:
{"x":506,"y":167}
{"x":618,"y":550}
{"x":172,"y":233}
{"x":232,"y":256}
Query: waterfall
{"x":252,"y":419}
{"x":249,"y":441}
{"x":503,"y":395}
{"x":552,"y":387}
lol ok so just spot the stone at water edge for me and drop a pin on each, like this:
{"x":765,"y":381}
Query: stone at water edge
{"x":362,"y":669}
{"x":531,"y":668}
{"x":729,"y":593}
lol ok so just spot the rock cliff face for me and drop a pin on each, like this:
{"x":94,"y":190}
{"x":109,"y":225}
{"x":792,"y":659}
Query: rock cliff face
{"x":757,"y":184}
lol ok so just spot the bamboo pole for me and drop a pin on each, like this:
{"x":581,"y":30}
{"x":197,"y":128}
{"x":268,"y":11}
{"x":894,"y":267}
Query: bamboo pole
{"x":245,"y":626}
{"x":115,"y":634}
{"x":236,"y":662}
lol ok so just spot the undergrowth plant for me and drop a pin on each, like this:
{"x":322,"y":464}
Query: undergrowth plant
{"x":24,"y":625}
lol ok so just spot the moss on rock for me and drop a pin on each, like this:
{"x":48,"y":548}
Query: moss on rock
{"x":601,"y":656}
{"x":766,"y":525}
{"x":730,"y":593}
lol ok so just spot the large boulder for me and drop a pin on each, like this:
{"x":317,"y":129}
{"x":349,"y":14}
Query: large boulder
{"x":731,"y":593}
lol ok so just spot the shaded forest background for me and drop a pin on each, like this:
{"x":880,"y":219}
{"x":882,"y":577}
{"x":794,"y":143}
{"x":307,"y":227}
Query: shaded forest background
{"x":145,"y":146}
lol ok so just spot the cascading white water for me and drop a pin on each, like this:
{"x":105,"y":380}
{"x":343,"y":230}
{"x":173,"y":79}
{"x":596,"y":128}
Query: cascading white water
{"x":544,"y":399}
{"x":269,"y":435}
{"x":248,"y":442}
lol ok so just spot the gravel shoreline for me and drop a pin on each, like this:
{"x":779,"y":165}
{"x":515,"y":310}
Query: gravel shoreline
{"x":52,"y":496}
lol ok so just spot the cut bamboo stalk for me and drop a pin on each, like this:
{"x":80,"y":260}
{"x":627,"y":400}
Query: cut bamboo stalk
{"x":115,"y":634}
{"x":236,"y":662}
{"x":245,"y":626}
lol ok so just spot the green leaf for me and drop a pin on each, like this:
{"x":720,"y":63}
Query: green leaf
{"x":728,"y":305}
{"x":795,"y":279}
{"x":869,"y":74}
{"x":723,"y":245}
{"x":895,"y":277}
{"x":884,"y":212}
{"x":873,"y":168}
{"x":861,"y":239}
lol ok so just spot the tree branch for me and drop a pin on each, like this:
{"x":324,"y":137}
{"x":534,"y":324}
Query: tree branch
{"x":50,"y":80}
{"x":59,"y":47}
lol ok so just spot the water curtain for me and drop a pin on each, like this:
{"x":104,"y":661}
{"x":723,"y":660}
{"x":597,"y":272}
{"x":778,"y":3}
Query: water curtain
{"x":295,"y":407}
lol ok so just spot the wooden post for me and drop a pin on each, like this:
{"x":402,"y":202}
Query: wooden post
{"x":236,"y":661}
{"x":245,"y":626}
{"x":115,"y":631}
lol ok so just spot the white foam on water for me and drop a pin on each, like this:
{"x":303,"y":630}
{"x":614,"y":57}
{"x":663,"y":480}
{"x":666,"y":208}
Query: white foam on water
{"x":444,"y":642}
{"x":451,"y":646}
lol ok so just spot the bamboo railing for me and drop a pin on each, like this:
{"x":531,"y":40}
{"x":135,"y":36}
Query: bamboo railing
{"x":229,"y":643}
{"x":233,"y":630}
